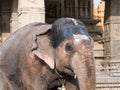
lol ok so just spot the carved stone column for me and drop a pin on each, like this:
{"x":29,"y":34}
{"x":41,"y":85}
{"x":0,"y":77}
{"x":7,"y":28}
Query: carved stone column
{"x":112,"y":35}
{"x":67,"y":11}
{"x":86,"y":9}
{"x":91,"y":9}
{"x":30,"y":11}
{"x":81,"y":10}
{"x":62,"y":8}
{"x":76,"y":8}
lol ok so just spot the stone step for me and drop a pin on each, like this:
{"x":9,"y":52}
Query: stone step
{"x":107,"y":79}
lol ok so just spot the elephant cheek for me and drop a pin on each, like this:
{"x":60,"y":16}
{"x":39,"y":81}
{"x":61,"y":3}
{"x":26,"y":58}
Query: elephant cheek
{"x":84,"y":70}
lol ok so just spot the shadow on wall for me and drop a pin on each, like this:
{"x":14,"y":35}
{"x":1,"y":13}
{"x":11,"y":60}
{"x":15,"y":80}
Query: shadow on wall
{"x":5,"y":14}
{"x":97,"y":35}
{"x":0,"y":23}
{"x":107,"y":10}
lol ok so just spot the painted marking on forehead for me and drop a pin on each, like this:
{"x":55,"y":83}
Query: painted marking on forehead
{"x":78,"y":38}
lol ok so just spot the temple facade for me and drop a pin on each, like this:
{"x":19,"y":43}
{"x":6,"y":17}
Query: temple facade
{"x":112,"y":44}
{"x":82,"y":9}
{"x":98,"y":44}
{"x":15,"y":14}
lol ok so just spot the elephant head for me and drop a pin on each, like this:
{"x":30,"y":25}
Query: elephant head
{"x":71,"y":52}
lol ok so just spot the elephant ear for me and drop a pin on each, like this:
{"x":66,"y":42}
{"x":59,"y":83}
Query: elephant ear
{"x":42,"y":47}
{"x":48,"y":59}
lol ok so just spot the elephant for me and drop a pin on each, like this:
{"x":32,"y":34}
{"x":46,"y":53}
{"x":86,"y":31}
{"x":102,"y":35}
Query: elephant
{"x":42,"y":56}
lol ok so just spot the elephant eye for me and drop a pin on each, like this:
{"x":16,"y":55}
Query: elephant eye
{"x":69,"y":48}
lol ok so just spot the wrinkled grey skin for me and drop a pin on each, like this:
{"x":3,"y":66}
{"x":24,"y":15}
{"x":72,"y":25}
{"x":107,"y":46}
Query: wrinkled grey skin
{"x":29,"y":60}
{"x":73,"y":51}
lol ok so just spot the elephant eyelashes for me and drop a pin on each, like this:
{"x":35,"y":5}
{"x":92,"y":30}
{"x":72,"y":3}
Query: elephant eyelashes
{"x":69,"y":48}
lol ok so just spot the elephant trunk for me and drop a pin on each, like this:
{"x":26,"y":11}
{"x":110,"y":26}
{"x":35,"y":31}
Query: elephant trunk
{"x":83,"y":66}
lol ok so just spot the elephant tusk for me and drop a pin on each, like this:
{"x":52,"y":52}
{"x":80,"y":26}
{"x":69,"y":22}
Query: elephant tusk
{"x":63,"y":87}
{"x":75,"y":76}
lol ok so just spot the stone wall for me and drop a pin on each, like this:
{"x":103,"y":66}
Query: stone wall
{"x":98,"y":44}
{"x":23,"y":12}
{"x":15,"y":14}
{"x":112,"y":35}
{"x":111,"y":65}
{"x":30,"y":11}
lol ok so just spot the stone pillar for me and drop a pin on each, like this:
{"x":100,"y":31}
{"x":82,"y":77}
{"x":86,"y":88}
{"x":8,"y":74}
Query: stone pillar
{"x":76,"y":8}
{"x":67,"y":11}
{"x":62,"y":8}
{"x":112,"y":35}
{"x":14,"y":17}
{"x":81,"y":9}
{"x":91,"y":9}
{"x":86,"y":9}
{"x":58,"y":8}
{"x":70,"y":8}
{"x":30,"y":11}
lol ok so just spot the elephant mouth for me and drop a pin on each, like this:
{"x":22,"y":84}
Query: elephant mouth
{"x":58,"y":83}
{"x":65,"y":71}
{"x":63,"y":78}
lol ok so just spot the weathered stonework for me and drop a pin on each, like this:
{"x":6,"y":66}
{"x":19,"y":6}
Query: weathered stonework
{"x":112,"y":35}
{"x":17,"y":13}
{"x":98,"y":44}
{"x":30,"y":11}
{"x":23,"y":12}
{"x":111,"y":76}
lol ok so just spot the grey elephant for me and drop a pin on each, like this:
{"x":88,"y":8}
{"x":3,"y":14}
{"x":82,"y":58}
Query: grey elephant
{"x":47,"y":57}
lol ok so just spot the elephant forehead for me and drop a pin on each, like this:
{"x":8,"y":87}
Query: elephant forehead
{"x":78,"y":37}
